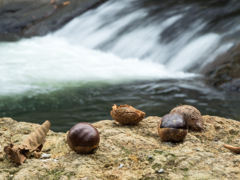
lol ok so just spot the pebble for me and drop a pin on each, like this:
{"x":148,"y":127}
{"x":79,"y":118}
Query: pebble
{"x":197,"y":149}
{"x":146,"y":162}
{"x":37,"y":155}
{"x":150,"y":157}
{"x":45,"y":156}
{"x":170,"y":144}
{"x":160,"y":171}
{"x":121,"y":166}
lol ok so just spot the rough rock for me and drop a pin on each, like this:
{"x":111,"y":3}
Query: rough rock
{"x":200,"y":156}
{"x":26,"y":18}
{"x":224,"y":71}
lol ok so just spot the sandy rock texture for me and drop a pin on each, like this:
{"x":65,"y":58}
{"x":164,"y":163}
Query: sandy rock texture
{"x":128,"y":152}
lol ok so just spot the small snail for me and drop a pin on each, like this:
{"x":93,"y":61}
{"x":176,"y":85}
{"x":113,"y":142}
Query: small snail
{"x":83,"y":138}
{"x":172,"y":127}
{"x":191,"y":114}
{"x":126,"y":114}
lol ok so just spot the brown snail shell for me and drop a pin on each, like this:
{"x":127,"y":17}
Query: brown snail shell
{"x":126,"y":114}
{"x":191,"y":114}
{"x":172,"y":127}
{"x":83,"y":138}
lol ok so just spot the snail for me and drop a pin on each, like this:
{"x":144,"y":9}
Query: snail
{"x":126,"y":114}
{"x":172,"y":127}
{"x":191,"y":114}
{"x":83,"y":138}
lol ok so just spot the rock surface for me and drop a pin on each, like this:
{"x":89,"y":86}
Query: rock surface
{"x":137,"y":149}
{"x":26,"y":18}
{"x":225,"y":70}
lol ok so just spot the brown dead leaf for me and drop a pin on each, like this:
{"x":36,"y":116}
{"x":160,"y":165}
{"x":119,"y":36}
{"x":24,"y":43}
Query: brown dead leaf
{"x":14,"y":154}
{"x":34,"y":142}
{"x":36,"y":139}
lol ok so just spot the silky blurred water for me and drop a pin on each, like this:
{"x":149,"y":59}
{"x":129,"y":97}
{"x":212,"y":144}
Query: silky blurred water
{"x":118,"y":53}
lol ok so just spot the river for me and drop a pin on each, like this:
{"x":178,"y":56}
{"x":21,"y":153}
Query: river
{"x":122,"y":52}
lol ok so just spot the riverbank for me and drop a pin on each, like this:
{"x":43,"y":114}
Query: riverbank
{"x":138,"y":148}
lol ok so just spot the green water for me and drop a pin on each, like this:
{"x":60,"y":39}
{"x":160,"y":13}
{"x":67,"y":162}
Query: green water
{"x":66,"y":107}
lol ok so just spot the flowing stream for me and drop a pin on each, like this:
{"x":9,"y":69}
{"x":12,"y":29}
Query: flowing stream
{"x":119,"y":53}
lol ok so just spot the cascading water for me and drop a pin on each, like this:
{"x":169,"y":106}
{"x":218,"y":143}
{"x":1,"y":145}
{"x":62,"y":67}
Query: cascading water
{"x":116,"y":53}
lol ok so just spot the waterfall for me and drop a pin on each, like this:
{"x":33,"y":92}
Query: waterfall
{"x":115,"y":43}
{"x":123,"y":52}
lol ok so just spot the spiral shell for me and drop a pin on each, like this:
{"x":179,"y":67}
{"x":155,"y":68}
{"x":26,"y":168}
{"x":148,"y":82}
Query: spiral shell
{"x":126,"y":114}
{"x":191,"y":114}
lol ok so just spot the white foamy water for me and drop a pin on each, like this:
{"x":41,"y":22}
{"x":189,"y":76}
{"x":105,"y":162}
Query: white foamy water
{"x":104,"y":46}
{"x":49,"y":63}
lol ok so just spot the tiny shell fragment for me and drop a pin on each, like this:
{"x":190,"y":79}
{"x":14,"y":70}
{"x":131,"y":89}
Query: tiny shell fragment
{"x":126,"y":114}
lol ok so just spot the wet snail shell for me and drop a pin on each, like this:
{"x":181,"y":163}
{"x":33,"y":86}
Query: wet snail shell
{"x":126,"y":114}
{"x":172,"y":127}
{"x":192,"y":115}
{"x":83,"y":138}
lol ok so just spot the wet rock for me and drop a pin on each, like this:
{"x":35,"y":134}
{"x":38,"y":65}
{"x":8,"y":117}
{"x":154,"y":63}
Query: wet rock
{"x":37,"y":18}
{"x":224,"y":71}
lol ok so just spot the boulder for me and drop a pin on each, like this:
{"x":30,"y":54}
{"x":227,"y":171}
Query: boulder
{"x":27,"y":18}
{"x":224,"y":71}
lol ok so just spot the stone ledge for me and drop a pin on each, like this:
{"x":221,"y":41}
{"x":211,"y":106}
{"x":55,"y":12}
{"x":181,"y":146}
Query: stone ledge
{"x":139,"y":148}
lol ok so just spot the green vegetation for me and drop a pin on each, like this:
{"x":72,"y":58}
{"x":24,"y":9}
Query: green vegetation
{"x":124,"y":149}
{"x":159,"y":151}
{"x":156,"y":166}
{"x":56,"y":174}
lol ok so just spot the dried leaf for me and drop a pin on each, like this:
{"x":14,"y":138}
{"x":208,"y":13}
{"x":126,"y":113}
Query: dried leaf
{"x":14,"y":154}
{"x":35,"y":139}
{"x":232,"y":148}
{"x":34,"y":142}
